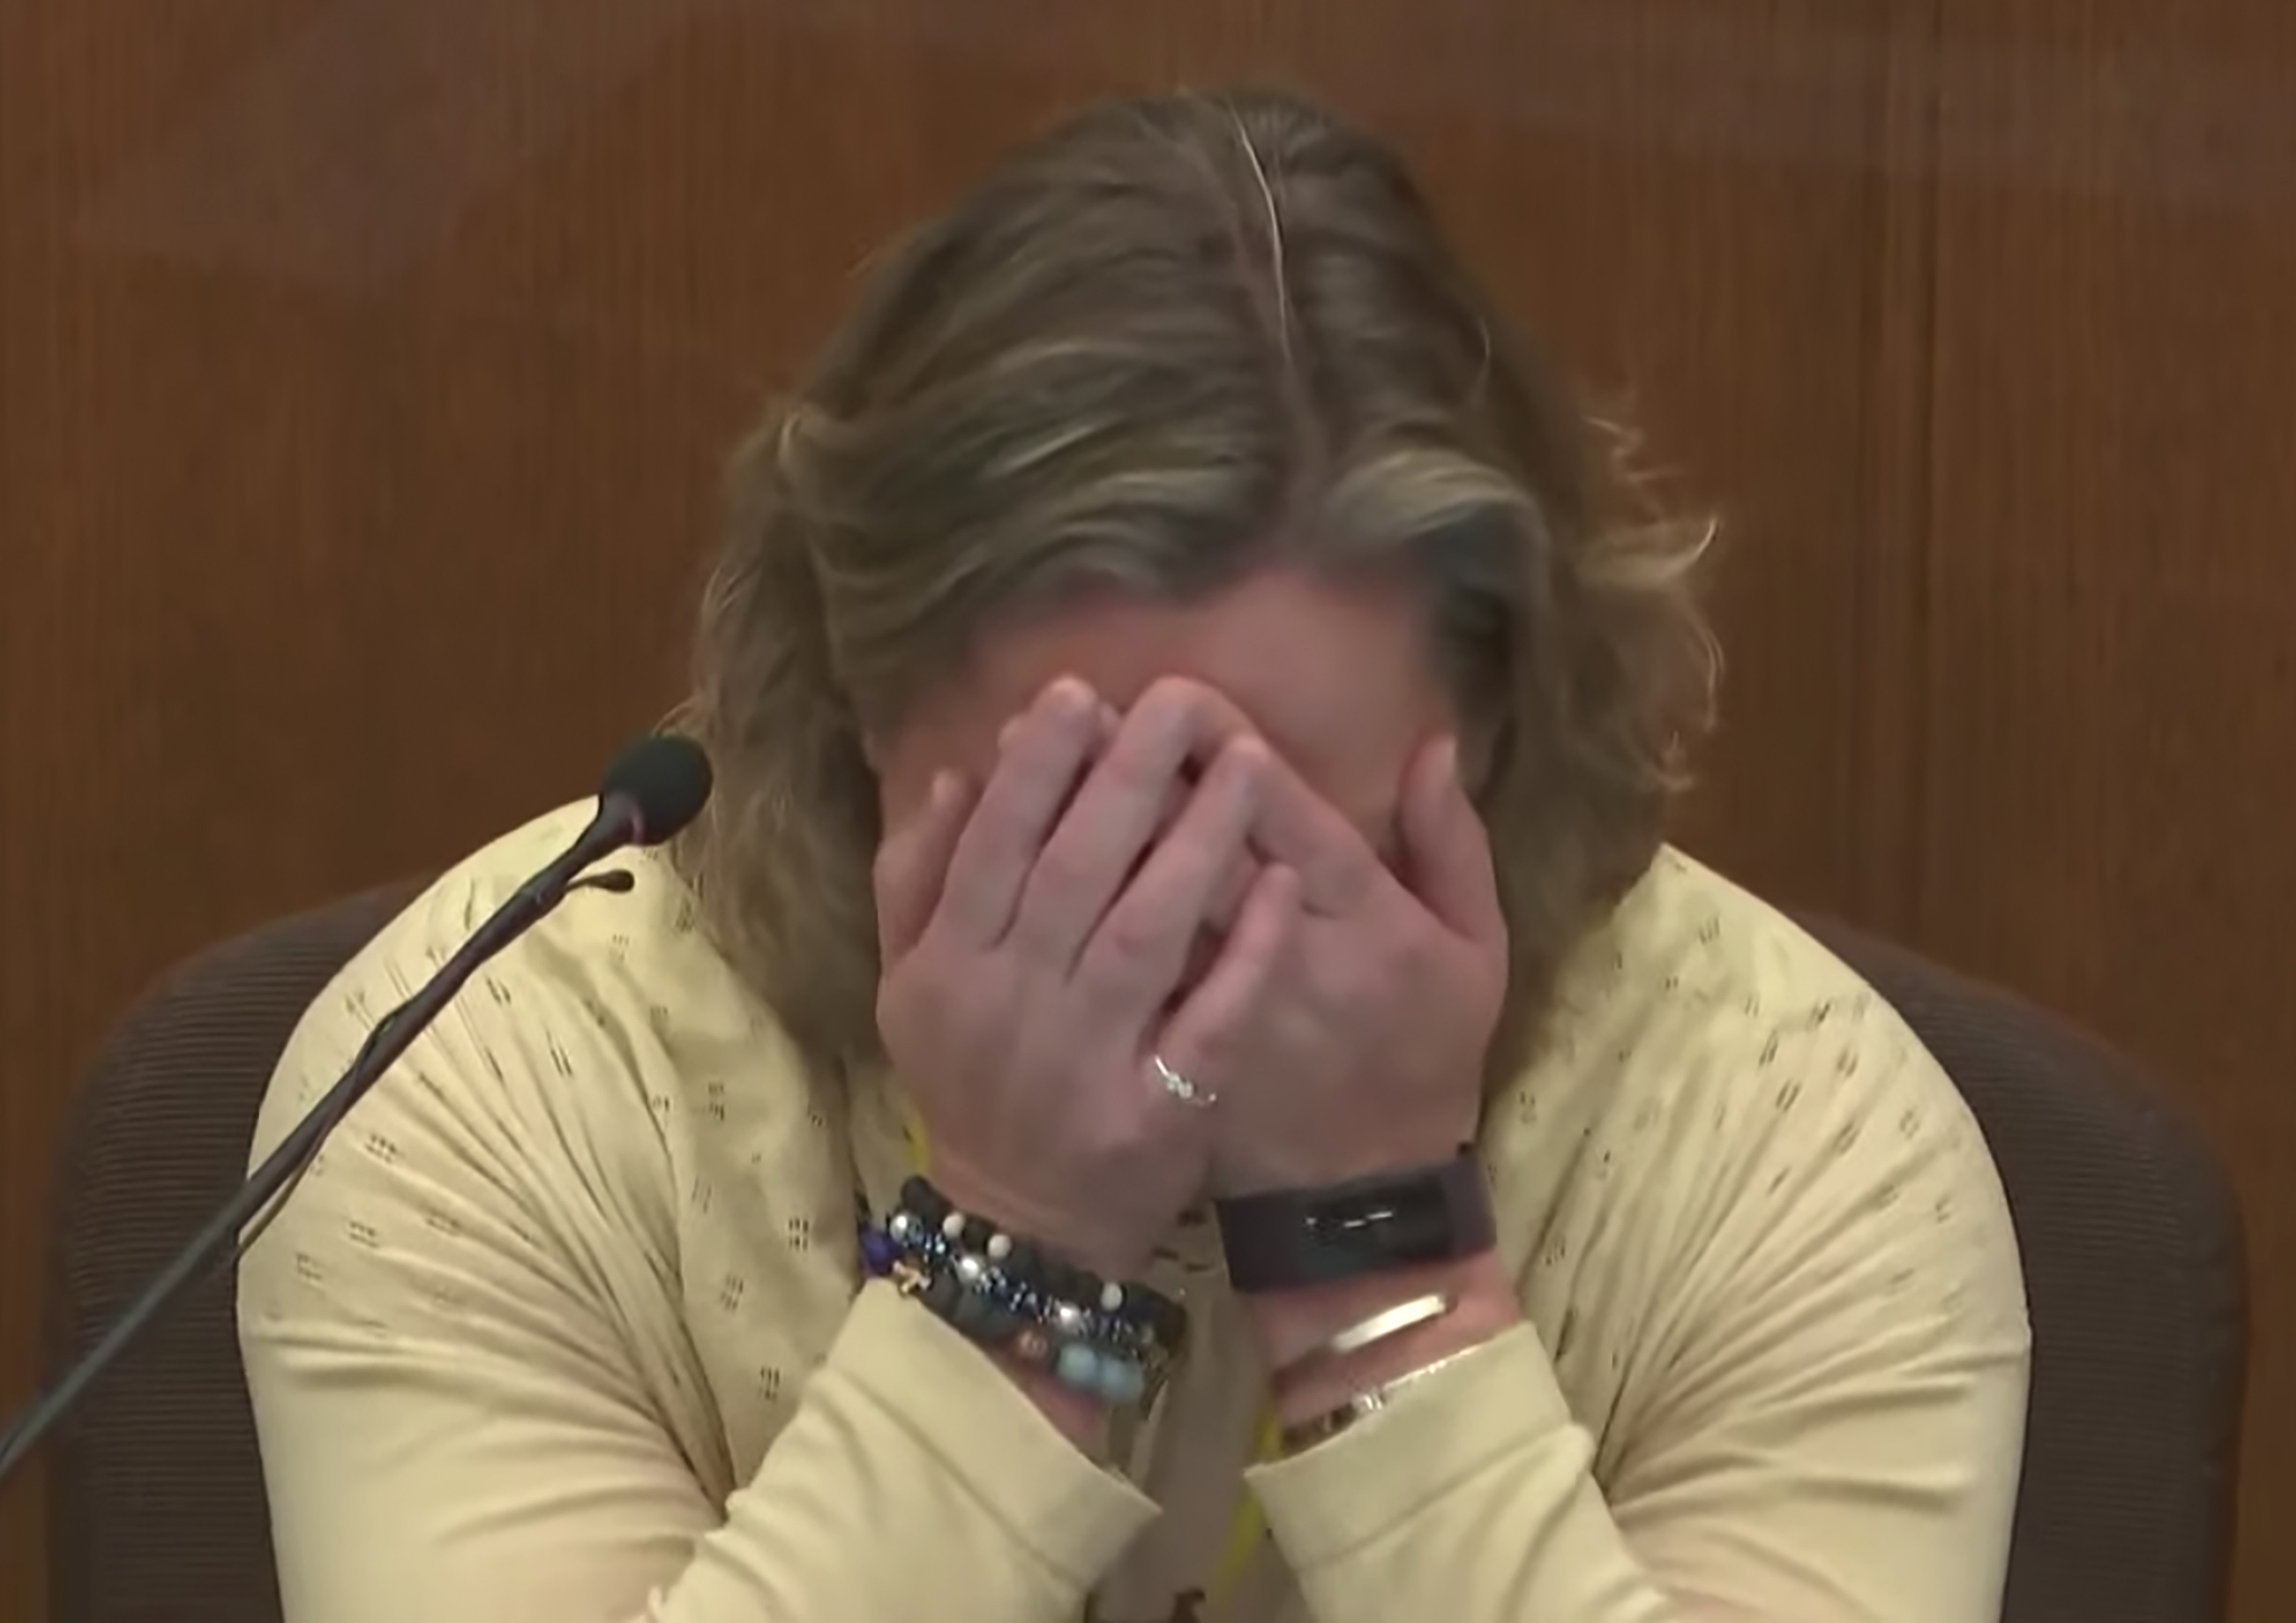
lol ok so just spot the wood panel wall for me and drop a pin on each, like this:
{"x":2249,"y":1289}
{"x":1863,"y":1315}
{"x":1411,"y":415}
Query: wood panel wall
{"x":366,"y":367}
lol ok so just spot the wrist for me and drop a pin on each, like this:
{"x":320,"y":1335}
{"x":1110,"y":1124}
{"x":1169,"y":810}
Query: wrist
{"x":1289,"y":1327}
{"x":1406,"y":1217}
{"x":1076,"y":1345}
{"x":1066,"y":1240}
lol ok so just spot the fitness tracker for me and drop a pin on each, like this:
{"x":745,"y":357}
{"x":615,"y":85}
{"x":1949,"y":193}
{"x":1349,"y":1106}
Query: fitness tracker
{"x":1291,"y":1238}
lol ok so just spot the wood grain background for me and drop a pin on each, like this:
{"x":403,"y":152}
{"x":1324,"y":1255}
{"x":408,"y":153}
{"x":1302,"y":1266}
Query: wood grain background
{"x":366,"y":367}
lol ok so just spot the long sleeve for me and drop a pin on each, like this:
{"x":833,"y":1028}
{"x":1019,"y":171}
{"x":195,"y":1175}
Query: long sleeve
{"x":476,"y":1394}
{"x":1826,"y":1397}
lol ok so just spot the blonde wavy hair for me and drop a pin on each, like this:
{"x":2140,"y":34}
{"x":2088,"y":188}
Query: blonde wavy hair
{"x":1174,"y":340}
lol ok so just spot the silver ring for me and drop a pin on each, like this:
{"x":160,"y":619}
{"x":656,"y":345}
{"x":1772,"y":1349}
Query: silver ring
{"x":1186,"y":1092}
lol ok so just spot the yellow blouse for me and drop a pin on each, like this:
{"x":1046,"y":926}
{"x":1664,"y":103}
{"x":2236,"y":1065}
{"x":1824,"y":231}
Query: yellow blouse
{"x":566,"y":1327}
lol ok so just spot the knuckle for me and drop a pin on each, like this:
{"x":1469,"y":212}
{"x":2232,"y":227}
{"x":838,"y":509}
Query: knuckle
{"x":1203,"y":1046}
{"x":1061,"y":868}
{"x":1133,"y":937}
{"x":1239,"y":769}
{"x":1171,"y":695}
{"x":1110,"y":977}
{"x":1109,"y":1133}
{"x":1208,"y":1054}
{"x":1136,"y":766}
{"x":908,"y":992}
{"x":1186,"y":713}
{"x":1208,"y":716}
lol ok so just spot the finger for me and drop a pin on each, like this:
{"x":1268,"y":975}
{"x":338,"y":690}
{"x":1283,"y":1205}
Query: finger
{"x":1235,"y":883}
{"x":1018,"y":807}
{"x":1337,"y":869}
{"x":1142,"y":948}
{"x":1209,"y":1024}
{"x":1105,"y":721}
{"x":1447,"y":853}
{"x":912,"y":865}
{"x":1113,"y":819}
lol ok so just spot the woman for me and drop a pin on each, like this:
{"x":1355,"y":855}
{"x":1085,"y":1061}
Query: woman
{"x":1192,"y":737}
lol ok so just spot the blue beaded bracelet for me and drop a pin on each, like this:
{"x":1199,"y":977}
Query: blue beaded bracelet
{"x":938,"y":1249}
{"x":1089,"y":1349}
{"x":1107,"y":1375}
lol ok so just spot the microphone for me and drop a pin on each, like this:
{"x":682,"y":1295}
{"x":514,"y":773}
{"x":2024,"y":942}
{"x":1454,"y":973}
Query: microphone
{"x":651,"y":792}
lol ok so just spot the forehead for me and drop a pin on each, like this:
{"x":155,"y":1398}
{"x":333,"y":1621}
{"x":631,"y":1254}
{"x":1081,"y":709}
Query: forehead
{"x":1336,"y":676}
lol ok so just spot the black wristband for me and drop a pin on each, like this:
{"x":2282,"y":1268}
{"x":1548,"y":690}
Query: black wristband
{"x":1293,"y":1238}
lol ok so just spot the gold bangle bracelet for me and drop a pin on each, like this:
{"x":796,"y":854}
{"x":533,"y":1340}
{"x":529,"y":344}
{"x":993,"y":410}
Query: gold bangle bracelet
{"x":1322,"y":1428}
{"x":1371,"y":1332}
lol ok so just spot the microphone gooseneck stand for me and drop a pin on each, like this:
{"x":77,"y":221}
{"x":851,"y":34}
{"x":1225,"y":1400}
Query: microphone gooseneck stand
{"x":652,"y":792}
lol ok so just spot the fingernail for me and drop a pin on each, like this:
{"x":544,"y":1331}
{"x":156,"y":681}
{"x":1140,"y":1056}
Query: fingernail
{"x":945,"y":791}
{"x":1006,"y":733}
{"x":1070,"y":697}
{"x":1447,"y":762}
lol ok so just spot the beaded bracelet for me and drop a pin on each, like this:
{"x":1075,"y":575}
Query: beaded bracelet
{"x":1078,"y":1348}
{"x":1112,"y":1340}
{"x":1145,"y":1310}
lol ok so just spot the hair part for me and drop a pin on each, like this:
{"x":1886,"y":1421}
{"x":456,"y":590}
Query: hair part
{"x":1172,"y":340}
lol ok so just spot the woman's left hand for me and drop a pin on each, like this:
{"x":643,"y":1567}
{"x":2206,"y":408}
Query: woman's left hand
{"x":1363,"y":1047}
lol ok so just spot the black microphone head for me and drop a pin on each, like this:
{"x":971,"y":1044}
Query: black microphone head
{"x":665,"y":781}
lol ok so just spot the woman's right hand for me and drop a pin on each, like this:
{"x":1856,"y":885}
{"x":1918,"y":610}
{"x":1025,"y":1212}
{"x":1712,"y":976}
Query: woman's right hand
{"x":1028,"y":966}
